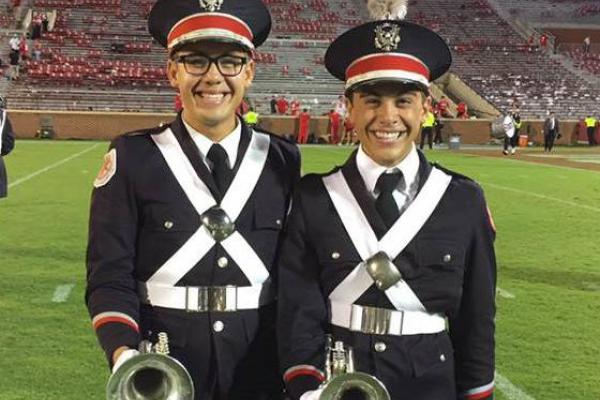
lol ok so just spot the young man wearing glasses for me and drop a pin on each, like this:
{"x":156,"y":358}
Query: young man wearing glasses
{"x":186,"y":218}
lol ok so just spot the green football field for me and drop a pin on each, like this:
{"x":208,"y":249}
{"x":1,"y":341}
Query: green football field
{"x":548,"y":250}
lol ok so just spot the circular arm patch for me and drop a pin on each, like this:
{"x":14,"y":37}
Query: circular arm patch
{"x":108,"y":169}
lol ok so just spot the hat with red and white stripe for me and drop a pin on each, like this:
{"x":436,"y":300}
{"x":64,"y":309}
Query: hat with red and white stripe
{"x":174,"y":23}
{"x":388,"y":50}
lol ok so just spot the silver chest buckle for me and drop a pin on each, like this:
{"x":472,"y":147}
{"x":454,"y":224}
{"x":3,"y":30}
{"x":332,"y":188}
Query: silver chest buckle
{"x":383,"y":271}
{"x":218,"y":223}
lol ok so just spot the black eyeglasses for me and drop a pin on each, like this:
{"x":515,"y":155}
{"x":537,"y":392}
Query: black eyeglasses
{"x":198,"y":64}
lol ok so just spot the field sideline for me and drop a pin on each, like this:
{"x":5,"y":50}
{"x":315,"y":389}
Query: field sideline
{"x":548,"y":250}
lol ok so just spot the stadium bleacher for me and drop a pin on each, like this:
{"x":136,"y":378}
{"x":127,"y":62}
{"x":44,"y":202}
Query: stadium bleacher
{"x":99,"y":57}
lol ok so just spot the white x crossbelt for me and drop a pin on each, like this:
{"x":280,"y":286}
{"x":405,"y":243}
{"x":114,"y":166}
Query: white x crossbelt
{"x":411,"y":316}
{"x":160,"y":288}
{"x":2,"y":123}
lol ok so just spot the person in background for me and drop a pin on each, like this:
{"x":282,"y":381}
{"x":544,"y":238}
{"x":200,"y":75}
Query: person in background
{"x":427,"y":130}
{"x":551,"y":131}
{"x":348,"y":135}
{"x":303,"y":126}
{"x":282,"y":105}
{"x":437,"y":128}
{"x":590,"y":123}
{"x":334,"y":126}
{"x":587,"y":42}
{"x":7,"y":144}
{"x":462,"y":111}
{"x":294,"y":107}
{"x":251,"y":118}
{"x":516,"y":116}
{"x":508,"y":124}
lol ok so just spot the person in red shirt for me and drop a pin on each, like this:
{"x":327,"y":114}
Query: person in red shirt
{"x":462,"y":110}
{"x":543,"y":40}
{"x":282,"y":105}
{"x":24,"y":48}
{"x":443,"y":105}
{"x":334,"y":126}
{"x":295,"y":107}
{"x":348,"y":132}
{"x":303,"y":126}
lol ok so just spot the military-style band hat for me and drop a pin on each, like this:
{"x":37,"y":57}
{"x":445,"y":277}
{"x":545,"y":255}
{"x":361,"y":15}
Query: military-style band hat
{"x":174,"y":23}
{"x":388,"y":49}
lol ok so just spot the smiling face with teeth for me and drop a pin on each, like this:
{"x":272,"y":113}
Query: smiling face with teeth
{"x":210,"y":101}
{"x":387,"y":117}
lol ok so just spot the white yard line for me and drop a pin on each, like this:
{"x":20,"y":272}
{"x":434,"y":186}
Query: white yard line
{"x":511,"y":391}
{"x":51,"y":166}
{"x":503,"y":293}
{"x":62,"y":292}
{"x":541,"y":196}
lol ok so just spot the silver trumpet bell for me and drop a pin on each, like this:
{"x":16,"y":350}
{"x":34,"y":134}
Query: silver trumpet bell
{"x":151,"y":375}
{"x":341,"y":377}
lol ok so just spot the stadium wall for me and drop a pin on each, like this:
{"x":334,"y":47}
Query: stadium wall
{"x":105,"y":126}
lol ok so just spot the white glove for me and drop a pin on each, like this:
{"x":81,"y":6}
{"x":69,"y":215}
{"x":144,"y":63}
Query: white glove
{"x":312,"y":395}
{"x":126,"y":355}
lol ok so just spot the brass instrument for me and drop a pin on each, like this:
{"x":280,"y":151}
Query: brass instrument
{"x":151,"y":375}
{"x":342,"y":378}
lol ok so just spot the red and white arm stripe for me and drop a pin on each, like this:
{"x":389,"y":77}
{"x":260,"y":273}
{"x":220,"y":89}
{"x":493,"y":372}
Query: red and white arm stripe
{"x":300,"y":370}
{"x":111,"y":316}
{"x":480,"y":392}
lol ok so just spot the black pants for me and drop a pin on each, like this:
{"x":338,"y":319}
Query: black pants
{"x":549,"y":141}
{"x":429,"y":133}
{"x":591,"y":136}
{"x":510,"y":141}
{"x":438,"y":135}
{"x":239,"y":363}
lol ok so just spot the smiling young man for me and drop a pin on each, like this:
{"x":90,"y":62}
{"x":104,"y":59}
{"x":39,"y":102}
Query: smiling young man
{"x":186,"y":218}
{"x":388,"y":253}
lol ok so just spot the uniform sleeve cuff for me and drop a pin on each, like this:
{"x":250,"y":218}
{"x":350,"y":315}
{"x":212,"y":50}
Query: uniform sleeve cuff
{"x":114,"y":335}
{"x":485,"y":392}
{"x":302,"y":378}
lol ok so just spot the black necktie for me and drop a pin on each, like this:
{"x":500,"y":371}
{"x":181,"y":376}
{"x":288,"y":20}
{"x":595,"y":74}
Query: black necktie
{"x":220,"y":170}
{"x":385,"y":203}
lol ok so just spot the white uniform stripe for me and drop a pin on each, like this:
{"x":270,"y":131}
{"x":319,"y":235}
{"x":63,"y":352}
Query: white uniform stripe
{"x":480,"y":389}
{"x":196,"y":190}
{"x":393,"y":242}
{"x":112,"y":314}
{"x":511,"y":391}
{"x":351,"y":215}
{"x":184,"y":259}
{"x":2,"y":122}
{"x":240,"y":190}
{"x":246,"y":258}
{"x":416,"y":215}
{"x":352,"y":287}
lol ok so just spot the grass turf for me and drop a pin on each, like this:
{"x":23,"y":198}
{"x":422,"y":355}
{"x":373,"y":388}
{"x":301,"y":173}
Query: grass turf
{"x":547,"y":249}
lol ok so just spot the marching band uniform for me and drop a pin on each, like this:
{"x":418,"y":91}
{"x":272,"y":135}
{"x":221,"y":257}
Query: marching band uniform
{"x":7,"y":143}
{"x":428,"y":335}
{"x":158,"y":262}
